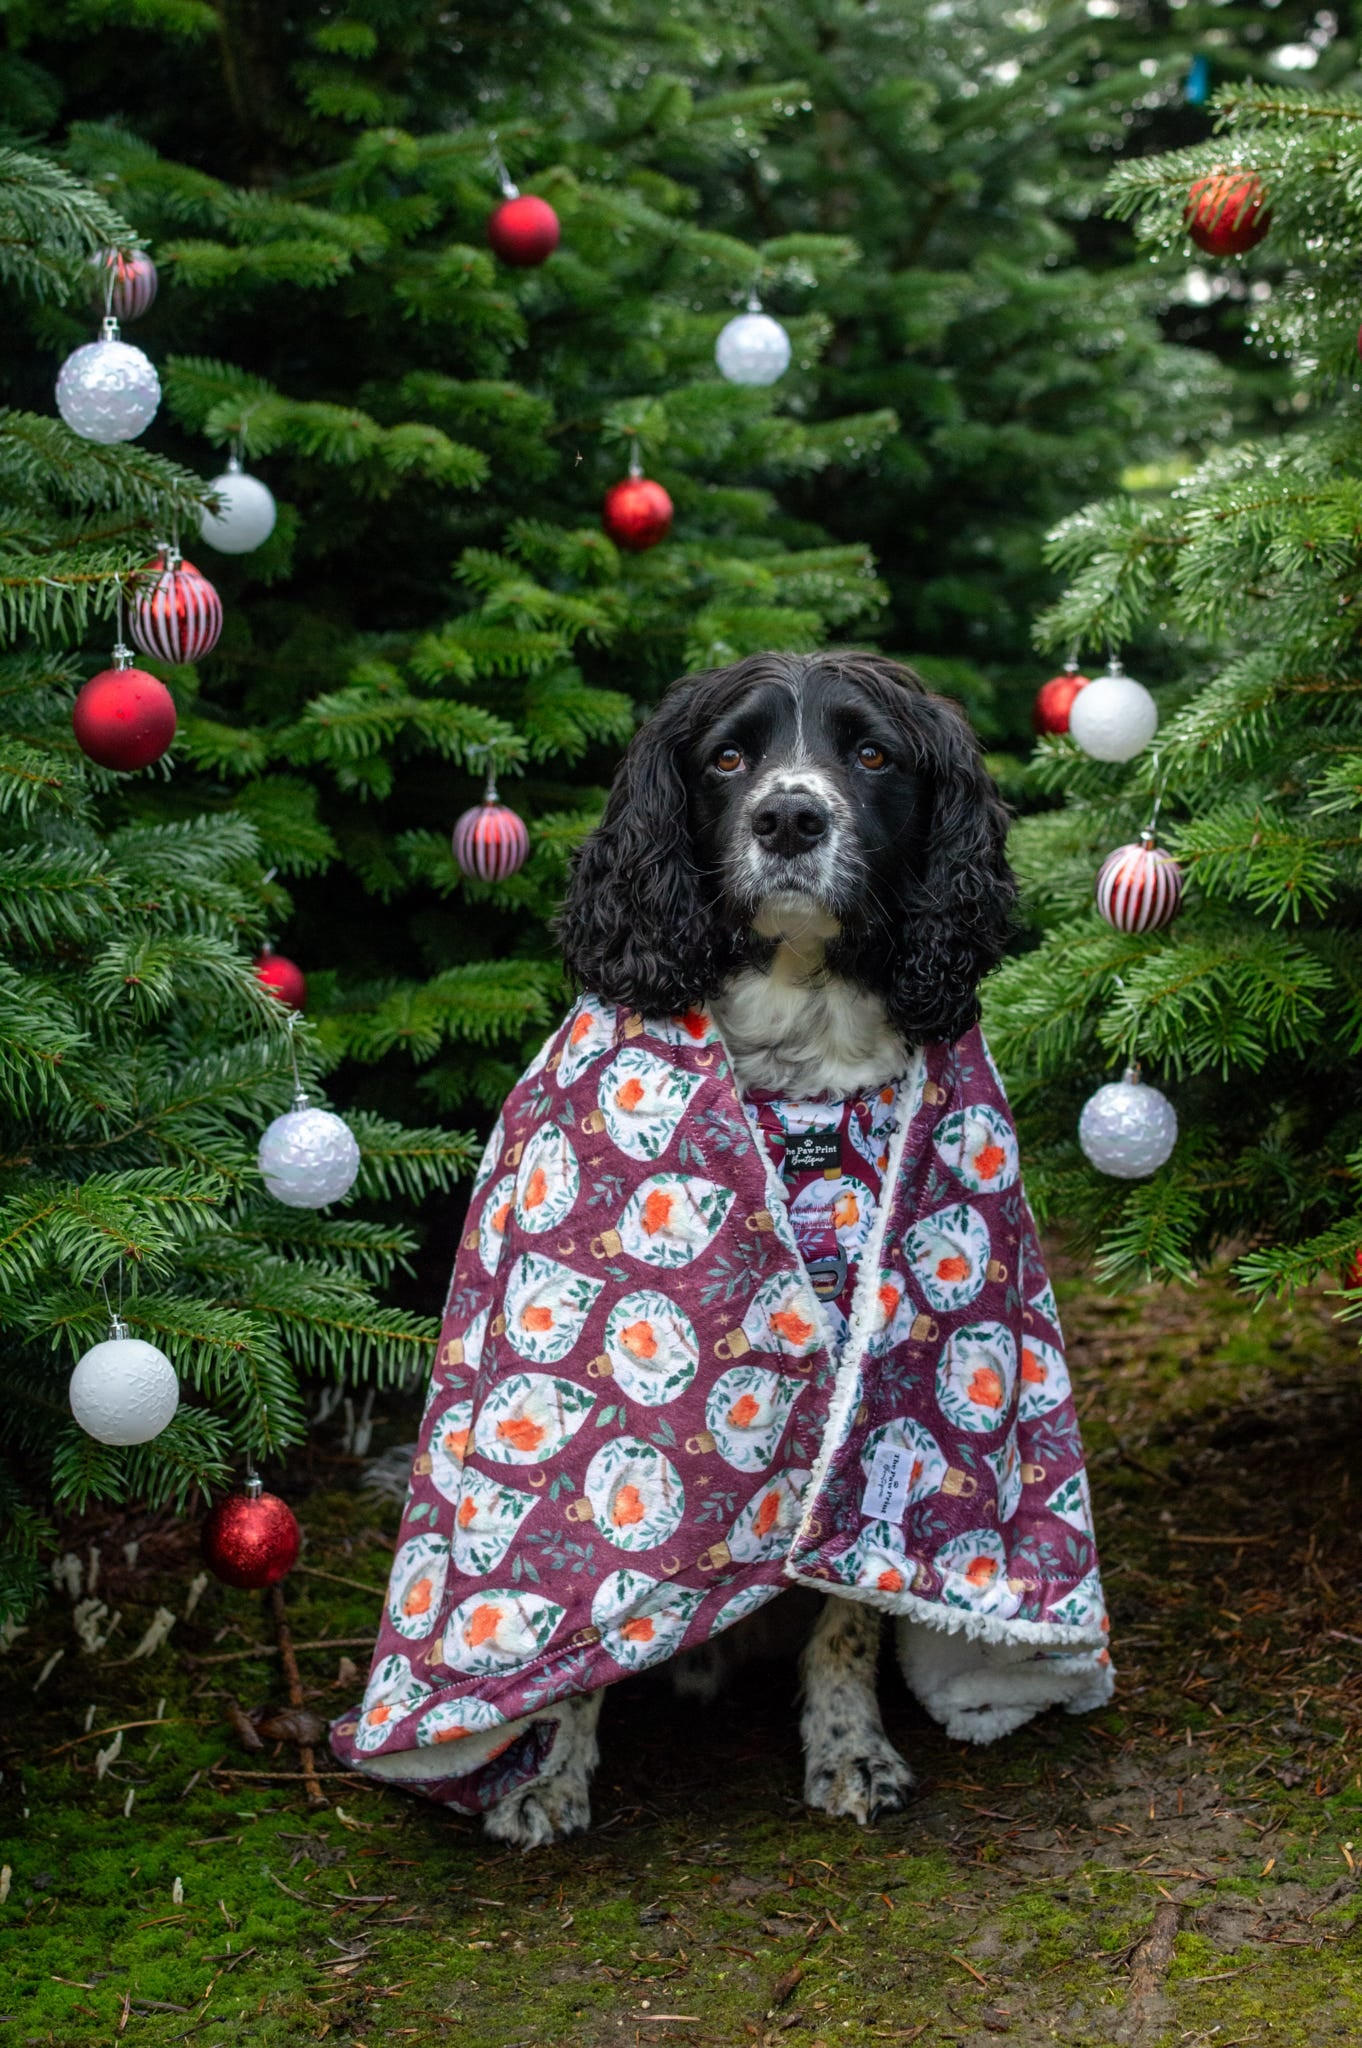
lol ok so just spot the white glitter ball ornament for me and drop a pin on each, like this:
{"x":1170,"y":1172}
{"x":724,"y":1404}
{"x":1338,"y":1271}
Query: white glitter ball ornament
{"x":1128,"y":1129}
{"x":1115,"y":717}
{"x":108,"y":390}
{"x":247,"y":518}
{"x":124,"y":1391}
{"x":308,"y":1157}
{"x":753,"y":348}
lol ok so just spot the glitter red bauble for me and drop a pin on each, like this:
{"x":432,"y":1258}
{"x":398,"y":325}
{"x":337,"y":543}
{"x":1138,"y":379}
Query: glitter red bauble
{"x":637,"y":514}
{"x":1225,"y":213}
{"x":1054,"y":702}
{"x":251,"y":1540}
{"x":124,"y":718}
{"x":1139,"y":887}
{"x":524,"y":231}
{"x":175,"y":613}
{"x":282,"y":978}
{"x":491,"y":842}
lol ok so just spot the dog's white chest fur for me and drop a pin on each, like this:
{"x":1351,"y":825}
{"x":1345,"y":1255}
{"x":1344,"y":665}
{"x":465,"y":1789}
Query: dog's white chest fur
{"x":796,"y":1029}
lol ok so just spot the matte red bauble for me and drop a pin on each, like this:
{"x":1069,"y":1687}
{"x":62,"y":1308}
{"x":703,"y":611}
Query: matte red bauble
{"x":637,"y":514}
{"x":251,"y":1539}
{"x":123,"y":718}
{"x":524,"y":231}
{"x":1225,"y":213}
{"x":281,"y":977}
{"x":1055,"y":700}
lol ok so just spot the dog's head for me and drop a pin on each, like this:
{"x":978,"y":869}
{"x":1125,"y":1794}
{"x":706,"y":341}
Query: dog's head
{"x":802,"y":796}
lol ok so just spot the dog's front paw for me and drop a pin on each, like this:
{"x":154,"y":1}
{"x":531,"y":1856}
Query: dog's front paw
{"x":549,"y":1810}
{"x":861,"y":1778}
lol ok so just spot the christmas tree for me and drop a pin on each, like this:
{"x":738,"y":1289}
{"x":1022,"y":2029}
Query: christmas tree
{"x":141,"y":1057}
{"x":1237,"y":594}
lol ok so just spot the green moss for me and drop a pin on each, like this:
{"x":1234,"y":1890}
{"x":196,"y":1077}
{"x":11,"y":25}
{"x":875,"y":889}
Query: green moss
{"x":1014,"y":1890}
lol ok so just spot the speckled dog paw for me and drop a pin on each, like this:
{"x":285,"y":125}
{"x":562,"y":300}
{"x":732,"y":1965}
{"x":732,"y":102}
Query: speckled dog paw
{"x":550,"y":1810}
{"x":861,"y":1780}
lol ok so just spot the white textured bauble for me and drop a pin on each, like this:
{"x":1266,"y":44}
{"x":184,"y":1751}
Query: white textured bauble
{"x":1128,"y":1129}
{"x":1114,"y":717}
{"x":247,"y":518}
{"x":124,"y":1391}
{"x":308,"y":1157}
{"x":753,"y":349}
{"x":108,"y":390}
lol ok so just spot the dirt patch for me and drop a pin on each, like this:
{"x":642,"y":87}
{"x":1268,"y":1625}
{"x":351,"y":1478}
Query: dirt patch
{"x":1182,"y":1868}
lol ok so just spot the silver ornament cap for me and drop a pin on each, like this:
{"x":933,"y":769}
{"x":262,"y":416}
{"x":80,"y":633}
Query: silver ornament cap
{"x":247,"y":518}
{"x":1128,"y":1129}
{"x":124,"y":1391}
{"x":1114,"y":718}
{"x":308,"y":1157}
{"x":753,"y":349}
{"x":108,"y":391}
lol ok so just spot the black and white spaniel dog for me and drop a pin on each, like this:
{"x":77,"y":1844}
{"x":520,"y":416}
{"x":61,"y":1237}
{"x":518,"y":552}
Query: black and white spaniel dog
{"x":810,"y":846}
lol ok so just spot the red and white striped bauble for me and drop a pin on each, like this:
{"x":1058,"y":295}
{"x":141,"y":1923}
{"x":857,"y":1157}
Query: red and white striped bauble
{"x":175,"y":613}
{"x":490,"y":841}
{"x":133,"y":285}
{"x":1139,"y":888}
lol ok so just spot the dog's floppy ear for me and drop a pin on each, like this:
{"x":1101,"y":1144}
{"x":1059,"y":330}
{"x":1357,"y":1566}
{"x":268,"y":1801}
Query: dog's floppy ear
{"x":957,"y":911}
{"x":636,"y":927}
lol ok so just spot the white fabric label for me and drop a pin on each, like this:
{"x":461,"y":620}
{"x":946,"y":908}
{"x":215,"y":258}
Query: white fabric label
{"x":886,"y":1492}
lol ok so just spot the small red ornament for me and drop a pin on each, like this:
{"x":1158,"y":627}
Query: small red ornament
{"x":175,"y":613}
{"x":251,"y":1538}
{"x":490,"y":841}
{"x":133,"y":287}
{"x":1139,"y":888}
{"x":281,"y":977}
{"x":1352,"y":1272}
{"x":123,"y":718}
{"x":1226,"y":213}
{"x":1055,"y":700}
{"x":637,"y":513}
{"x":524,"y":231}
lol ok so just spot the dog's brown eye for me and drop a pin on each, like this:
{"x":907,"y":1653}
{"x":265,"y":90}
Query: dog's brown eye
{"x":728,"y":760}
{"x":871,"y":756}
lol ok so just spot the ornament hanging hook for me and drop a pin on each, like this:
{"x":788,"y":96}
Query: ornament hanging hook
{"x":1160,"y":787}
{"x":635,"y":457}
{"x":299,"y":1093}
{"x":476,"y":747}
{"x":509,"y":188}
{"x":117,"y":1327}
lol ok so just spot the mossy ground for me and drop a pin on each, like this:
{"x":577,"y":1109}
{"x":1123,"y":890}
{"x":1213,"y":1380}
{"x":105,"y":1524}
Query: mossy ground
{"x":708,"y":1906}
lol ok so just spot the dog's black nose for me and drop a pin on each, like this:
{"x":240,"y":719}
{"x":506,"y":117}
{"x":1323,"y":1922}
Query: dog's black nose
{"x":789,"y":822}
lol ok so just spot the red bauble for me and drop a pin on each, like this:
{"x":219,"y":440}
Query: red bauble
{"x":524,"y":231}
{"x":175,"y":613}
{"x":1225,"y":213}
{"x":490,"y":841}
{"x":1055,"y":700}
{"x":251,"y":1538}
{"x":637,"y":514}
{"x":1139,"y":888}
{"x":281,"y":977}
{"x":124,"y":718}
{"x":1352,"y":1272}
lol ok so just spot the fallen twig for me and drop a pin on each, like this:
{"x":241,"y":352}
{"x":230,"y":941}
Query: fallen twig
{"x":315,"y":1794}
{"x":268,"y":1649}
{"x":94,"y":1734}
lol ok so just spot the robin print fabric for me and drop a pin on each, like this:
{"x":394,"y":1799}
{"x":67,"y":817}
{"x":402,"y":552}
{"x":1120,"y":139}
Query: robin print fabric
{"x":643,"y":1422}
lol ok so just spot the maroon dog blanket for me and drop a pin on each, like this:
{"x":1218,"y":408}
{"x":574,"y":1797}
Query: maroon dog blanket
{"x":637,"y":1431}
